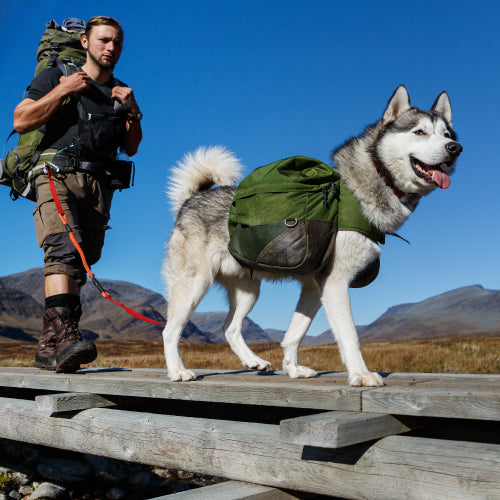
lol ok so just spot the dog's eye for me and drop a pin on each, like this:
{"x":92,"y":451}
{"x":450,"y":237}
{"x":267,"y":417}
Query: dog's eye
{"x":419,"y":132}
{"x":447,"y":135}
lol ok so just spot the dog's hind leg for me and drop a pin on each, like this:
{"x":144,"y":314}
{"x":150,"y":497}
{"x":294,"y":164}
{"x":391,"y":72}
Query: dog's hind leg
{"x":181,"y":306}
{"x":307,"y":307}
{"x":242,"y":295}
{"x":188,"y":277}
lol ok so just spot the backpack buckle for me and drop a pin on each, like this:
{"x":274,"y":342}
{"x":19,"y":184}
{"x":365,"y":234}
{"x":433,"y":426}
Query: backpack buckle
{"x":53,"y":55}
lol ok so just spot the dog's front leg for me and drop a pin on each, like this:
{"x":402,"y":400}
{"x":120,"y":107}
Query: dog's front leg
{"x":352,"y":253}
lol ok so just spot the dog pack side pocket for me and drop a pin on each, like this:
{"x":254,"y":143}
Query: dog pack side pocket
{"x":283,"y":246}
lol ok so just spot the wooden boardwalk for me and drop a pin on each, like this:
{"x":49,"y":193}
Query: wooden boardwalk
{"x":422,"y":436}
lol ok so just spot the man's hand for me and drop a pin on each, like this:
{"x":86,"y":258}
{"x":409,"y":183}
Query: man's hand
{"x":75,"y":83}
{"x":133,"y":136}
{"x":124,"y":94}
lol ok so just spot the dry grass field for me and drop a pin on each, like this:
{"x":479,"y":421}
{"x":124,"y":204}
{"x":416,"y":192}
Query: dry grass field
{"x":470,"y":355}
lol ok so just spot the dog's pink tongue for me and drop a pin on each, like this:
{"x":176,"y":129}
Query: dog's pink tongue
{"x":440,"y":178}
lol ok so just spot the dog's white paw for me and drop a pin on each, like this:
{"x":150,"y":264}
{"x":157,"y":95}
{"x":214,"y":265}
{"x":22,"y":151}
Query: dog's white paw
{"x":181,"y":376}
{"x":258,"y":364}
{"x":366,"y":379}
{"x":299,"y":371}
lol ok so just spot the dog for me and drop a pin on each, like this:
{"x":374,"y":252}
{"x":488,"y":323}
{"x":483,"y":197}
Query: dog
{"x":396,"y":161}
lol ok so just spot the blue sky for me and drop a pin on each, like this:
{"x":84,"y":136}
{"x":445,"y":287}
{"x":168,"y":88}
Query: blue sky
{"x":272,"y":79}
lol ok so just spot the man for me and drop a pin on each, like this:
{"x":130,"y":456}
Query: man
{"x":88,"y":116}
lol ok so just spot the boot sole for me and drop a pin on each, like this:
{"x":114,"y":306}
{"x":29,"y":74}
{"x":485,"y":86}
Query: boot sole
{"x":80,"y":353}
{"x":46,"y":364}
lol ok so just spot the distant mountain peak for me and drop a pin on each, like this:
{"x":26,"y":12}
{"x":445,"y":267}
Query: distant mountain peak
{"x":466,"y":311}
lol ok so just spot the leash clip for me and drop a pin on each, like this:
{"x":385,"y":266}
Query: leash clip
{"x":52,"y":166}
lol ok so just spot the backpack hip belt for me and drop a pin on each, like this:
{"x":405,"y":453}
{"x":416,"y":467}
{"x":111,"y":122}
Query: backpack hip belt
{"x":118,"y":174}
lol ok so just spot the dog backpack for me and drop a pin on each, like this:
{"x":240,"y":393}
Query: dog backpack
{"x":284,"y":218}
{"x":59,"y":47}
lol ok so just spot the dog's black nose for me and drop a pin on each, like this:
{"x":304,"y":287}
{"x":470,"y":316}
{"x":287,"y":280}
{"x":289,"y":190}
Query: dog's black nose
{"x":454,"y":148}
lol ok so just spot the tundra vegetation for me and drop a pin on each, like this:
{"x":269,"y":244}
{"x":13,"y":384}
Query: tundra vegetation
{"x":464,"y":355}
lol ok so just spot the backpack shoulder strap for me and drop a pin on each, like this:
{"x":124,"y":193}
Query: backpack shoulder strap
{"x":68,"y":68}
{"x":118,"y":83}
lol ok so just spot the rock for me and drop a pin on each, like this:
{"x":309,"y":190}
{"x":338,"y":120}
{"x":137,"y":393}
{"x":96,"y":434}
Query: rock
{"x":15,"y":495}
{"x":115,"y":494}
{"x":166,"y":474}
{"x":144,"y":480}
{"x":64,"y":471}
{"x":20,"y":452}
{"x":21,"y":478}
{"x":185,"y":475}
{"x":25,"y":490}
{"x":48,"y":491}
{"x":108,"y":469}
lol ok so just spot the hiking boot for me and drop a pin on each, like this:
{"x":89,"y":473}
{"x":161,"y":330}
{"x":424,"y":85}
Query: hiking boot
{"x":71,"y":350}
{"x":45,"y":356}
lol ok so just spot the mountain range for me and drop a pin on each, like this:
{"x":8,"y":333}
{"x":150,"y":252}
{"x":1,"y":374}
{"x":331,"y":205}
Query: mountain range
{"x":464,"y":312}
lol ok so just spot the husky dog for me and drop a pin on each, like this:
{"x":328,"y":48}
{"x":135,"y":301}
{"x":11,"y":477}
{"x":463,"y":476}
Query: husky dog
{"x":396,"y":161}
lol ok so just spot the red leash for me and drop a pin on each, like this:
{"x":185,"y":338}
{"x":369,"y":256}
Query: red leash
{"x":90,"y":274}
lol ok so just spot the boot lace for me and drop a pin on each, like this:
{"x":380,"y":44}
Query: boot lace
{"x":71,"y":331}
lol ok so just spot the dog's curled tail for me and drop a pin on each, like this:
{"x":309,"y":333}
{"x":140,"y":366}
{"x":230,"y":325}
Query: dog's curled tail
{"x":201,"y":170}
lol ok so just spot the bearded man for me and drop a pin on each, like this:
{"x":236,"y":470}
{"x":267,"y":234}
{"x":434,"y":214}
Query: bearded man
{"x":88,"y":117}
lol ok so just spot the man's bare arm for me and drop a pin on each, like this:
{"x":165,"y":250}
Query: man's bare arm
{"x":30,"y":115}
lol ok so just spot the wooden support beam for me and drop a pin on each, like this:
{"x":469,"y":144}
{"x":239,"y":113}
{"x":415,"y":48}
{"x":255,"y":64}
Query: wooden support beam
{"x":395,"y":467}
{"x":232,"y":490}
{"x":70,"y":401}
{"x":336,"y":429}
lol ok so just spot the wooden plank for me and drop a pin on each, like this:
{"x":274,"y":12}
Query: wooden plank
{"x":70,"y":401}
{"x":231,"y":490}
{"x":443,"y":380}
{"x":473,"y":403}
{"x":424,"y":394}
{"x":337,"y":429}
{"x":267,"y":390}
{"x":395,"y":467}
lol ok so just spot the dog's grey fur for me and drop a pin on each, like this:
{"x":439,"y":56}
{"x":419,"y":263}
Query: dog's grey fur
{"x":414,"y":151}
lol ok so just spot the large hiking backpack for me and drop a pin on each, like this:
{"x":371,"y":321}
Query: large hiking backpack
{"x":59,"y":47}
{"x":284,"y":218}
{"x":61,"y":44}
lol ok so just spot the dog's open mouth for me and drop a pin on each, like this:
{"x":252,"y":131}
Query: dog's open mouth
{"x":431,"y":173}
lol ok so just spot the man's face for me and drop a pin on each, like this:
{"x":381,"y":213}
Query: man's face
{"x":103,"y":46}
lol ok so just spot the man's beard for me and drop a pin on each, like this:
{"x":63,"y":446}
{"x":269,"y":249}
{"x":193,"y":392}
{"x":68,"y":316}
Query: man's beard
{"x":101,"y":63}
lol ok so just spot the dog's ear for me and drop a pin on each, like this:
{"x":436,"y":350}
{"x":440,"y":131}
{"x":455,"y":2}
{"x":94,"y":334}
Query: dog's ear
{"x":398,"y":104}
{"x":442,"y":105}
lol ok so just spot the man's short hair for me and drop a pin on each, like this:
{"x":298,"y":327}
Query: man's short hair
{"x":103,"y":20}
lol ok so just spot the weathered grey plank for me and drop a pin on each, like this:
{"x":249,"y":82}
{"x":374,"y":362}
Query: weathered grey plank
{"x":231,"y":490}
{"x":70,"y":401}
{"x":476,"y":396}
{"x":337,"y":429}
{"x":473,"y":403}
{"x":395,"y":467}
{"x":258,"y":390}
{"x":443,"y":379}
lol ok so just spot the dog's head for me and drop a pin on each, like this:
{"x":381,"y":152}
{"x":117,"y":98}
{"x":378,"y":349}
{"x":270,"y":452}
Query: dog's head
{"x":416,"y":149}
